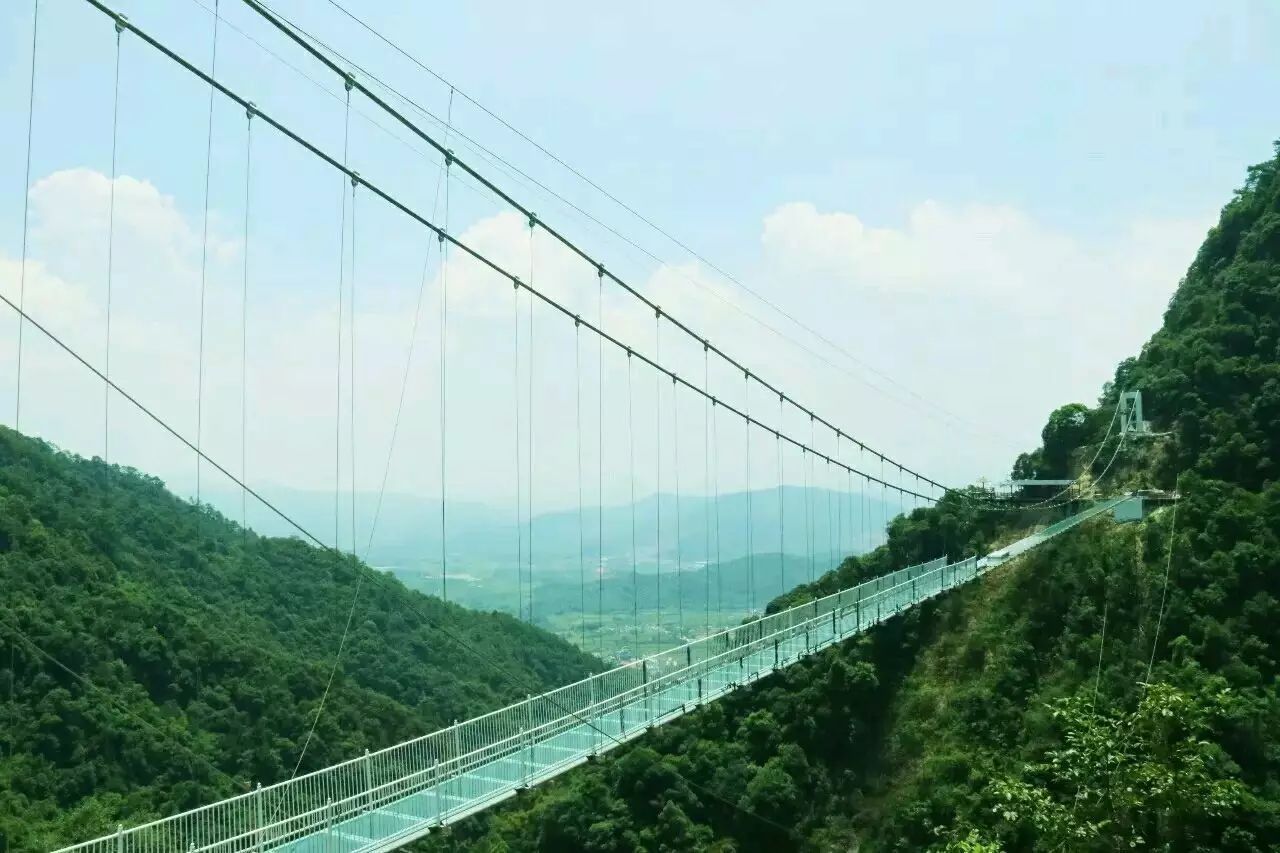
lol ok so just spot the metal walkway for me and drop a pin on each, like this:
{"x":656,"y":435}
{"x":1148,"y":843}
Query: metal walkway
{"x":383,"y":800}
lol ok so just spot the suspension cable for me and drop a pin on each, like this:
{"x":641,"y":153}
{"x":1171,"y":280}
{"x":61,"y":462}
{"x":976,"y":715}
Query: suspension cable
{"x":26,"y":209}
{"x":244,"y":336}
{"x":675,"y":433}
{"x":715,"y":464}
{"x":600,"y":464}
{"x":408,"y":362}
{"x":706,"y":485}
{"x":657,"y":490}
{"x":864,"y":514}
{"x":884,"y":503}
{"x":840,"y":551}
{"x":830,"y":527}
{"x":337,"y":405}
{"x":1164,"y":588}
{"x":204,"y":251}
{"x":782,"y":511}
{"x":515,"y":388}
{"x":533,"y":221}
{"x":443,"y":251}
{"x":751,"y":559}
{"x":631,"y":449}
{"x":808,"y":527}
{"x":577,"y":422}
{"x":111,"y":234}
{"x":351,"y":381}
{"x":337,"y":551}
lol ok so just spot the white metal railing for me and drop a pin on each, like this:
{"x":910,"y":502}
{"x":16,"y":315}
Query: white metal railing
{"x":381,"y":800}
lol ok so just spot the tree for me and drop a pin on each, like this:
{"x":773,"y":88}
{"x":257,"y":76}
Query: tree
{"x":1149,"y":778}
{"x":1067,"y":429}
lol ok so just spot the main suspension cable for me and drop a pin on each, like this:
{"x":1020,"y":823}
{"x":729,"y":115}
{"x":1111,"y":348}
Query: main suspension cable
{"x":471,"y":252}
{"x":413,"y":128}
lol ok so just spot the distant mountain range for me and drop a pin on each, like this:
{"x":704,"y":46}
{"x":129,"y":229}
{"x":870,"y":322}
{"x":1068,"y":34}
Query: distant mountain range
{"x":480,"y":536}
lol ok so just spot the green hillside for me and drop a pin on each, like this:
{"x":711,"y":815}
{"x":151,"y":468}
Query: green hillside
{"x":206,"y":650}
{"x":1017,"y":713}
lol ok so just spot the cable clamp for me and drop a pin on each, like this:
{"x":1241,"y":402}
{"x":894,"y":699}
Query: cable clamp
{"x":657,"y":311}
{"x":250,"y":110}
{"x":706,"y":344}
{"x":448,"y":157}
{"x":600,"y":270}
{"x":515,"y":282}
{"x":713,"y":402}
{"x":674,"y":378}
{"x":349,"y":80}
{"x":122,"y":23}
{"x":533,"y":221}
{"x":355,"y":179}
{"x":577,"y":320}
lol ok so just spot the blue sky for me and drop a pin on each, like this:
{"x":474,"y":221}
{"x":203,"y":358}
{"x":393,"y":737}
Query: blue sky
{"x":990,"y":201}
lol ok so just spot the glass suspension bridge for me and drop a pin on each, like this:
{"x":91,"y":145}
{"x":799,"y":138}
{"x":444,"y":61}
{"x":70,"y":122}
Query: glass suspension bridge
{"x":382,"y":800}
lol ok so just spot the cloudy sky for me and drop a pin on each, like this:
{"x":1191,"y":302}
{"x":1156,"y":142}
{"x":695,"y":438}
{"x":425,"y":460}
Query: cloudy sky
{"x":942,"y":220}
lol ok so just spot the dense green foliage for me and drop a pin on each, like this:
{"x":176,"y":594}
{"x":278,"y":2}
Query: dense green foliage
{"x":1004,"y":715}
{"x":208,"y":649}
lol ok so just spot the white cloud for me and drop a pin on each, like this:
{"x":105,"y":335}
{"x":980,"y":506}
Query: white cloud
{"x":981,"y":308}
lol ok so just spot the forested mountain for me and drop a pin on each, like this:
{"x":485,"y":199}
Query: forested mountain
{"x":186,"y":656}
{"x":1115,"y":689}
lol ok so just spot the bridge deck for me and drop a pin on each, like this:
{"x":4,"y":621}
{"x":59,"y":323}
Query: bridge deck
{"x":381,"y":801}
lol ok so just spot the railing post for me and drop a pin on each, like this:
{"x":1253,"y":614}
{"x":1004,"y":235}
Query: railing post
{"x":528,"y":738}
{"x":857,"y":614}
{"x":119,"y":838}
{"x":806,"y":641}
{"x":699,"y":690}
{"x":913,"y":590}
{"x":368,"y":789}
{"x":328,"y":825}
{"x":775,"y":653}
{"x":457,"y":757}
{"x":644,"y":675}
{"x":257,"y":807}
{"x":592,"y":715}
{"x":524,"y":757}
{"x":435,"y":773}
